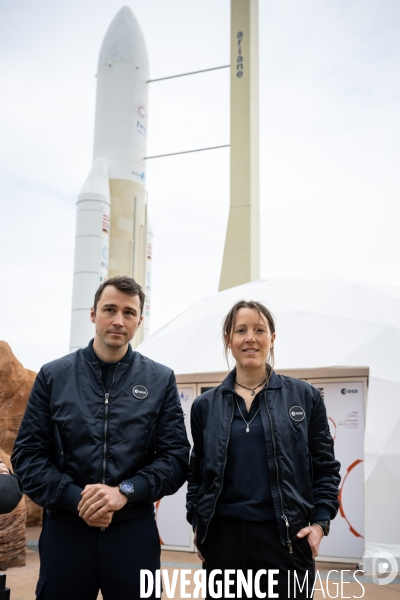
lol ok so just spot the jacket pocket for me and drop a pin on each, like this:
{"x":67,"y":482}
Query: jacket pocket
{"x":151,"y":447}
{"x":58,"y":450}
{"x":203,"y":491}
{"x":310,"y":468}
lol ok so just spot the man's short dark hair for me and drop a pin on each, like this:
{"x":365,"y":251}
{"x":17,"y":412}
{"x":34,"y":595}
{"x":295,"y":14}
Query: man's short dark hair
{"x":123,"y":284}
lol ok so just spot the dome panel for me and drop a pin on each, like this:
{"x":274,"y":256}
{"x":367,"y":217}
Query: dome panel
{"x":381,"y":353}
{"x":360,"y":303}
{"x":312,"y":340}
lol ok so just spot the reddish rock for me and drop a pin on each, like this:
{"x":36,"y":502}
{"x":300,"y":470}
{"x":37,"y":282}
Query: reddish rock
{"x":12,"y":537}
{"x":15,"y":386}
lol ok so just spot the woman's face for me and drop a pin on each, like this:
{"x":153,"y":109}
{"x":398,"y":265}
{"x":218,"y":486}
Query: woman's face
{"x":250,"y":339}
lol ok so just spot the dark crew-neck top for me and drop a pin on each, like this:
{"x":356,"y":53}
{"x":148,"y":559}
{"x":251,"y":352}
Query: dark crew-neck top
{"x":246,"y":489}
{"x":107,"y":368}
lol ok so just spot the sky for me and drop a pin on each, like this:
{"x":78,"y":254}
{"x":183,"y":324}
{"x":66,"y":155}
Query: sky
{"x":329,"y":148}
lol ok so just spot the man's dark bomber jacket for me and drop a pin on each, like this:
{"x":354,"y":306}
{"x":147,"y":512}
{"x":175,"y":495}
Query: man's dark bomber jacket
{"x":70,"y":437}
{"x":303,"y":471}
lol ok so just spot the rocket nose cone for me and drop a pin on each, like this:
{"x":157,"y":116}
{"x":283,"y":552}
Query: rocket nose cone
{"x":124,"y":41}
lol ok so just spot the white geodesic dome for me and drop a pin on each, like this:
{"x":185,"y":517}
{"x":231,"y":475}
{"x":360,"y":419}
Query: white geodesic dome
{"x":320,"y":322}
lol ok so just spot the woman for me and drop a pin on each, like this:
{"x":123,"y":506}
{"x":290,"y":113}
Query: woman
{"x":263,"y":483}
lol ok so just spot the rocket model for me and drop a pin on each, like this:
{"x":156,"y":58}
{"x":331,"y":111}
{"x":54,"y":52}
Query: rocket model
{"x":113,"y":236}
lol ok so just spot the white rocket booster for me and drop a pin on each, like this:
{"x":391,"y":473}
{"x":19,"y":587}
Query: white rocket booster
{"x":147,"y":288}
{"x":111,"y":229}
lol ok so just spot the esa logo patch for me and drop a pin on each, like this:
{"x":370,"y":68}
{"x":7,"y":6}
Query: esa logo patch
{"x":140,"y":392}
{"x":296,"y":413}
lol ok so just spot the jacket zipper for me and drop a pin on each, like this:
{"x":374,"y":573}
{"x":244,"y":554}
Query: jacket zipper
{"x":284,"y":517}
{"x":223,"y":471}
{"x":105,"y":430}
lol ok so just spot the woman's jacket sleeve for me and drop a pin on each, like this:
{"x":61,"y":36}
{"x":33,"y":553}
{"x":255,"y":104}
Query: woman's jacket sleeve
{"x":325,"y":468}
{"x":195,"y":478}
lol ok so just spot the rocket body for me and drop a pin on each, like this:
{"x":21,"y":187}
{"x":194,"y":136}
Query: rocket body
{"x":120,"y":142}
{"x":91,"y":249}
{"x":147,"y":288}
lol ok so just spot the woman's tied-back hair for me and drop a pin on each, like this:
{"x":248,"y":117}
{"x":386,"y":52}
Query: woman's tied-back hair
{"x":229,"y":321}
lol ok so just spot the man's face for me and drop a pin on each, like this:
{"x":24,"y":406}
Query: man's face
{"x":117,"y":317}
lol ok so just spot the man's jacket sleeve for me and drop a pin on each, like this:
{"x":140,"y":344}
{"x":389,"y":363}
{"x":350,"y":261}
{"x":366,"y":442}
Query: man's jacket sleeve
{"x":325,"y":468}
{"x":32,"y":455}
{"x":167,"y":471}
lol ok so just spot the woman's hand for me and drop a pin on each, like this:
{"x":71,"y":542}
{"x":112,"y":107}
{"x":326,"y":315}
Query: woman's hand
{"x":199,"y":554}
{"x":314,"y":535}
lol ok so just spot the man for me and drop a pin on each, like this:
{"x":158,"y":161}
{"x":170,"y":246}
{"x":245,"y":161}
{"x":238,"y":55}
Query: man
{"x":10,"y":490}
{"x":102,"y":439}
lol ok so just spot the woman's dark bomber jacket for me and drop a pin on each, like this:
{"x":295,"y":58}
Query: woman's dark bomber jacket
{"x":73,"y":433}
{"x":303,"y":470}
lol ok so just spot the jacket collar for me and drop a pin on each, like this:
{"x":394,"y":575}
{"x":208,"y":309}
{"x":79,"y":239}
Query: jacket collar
{"x":91,"y":356}
{"x":229,"y":381}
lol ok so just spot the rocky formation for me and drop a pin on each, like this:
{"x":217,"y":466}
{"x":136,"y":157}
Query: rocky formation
{"x":15,"y":386}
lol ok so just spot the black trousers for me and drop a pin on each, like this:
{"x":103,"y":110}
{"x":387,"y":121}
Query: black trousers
{"x":76,"y":561}
{"x":242,"y":545}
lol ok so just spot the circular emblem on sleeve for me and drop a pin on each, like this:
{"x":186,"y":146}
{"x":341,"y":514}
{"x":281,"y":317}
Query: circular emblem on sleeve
{"x":296,"y":413}
{"x":140,"y":392}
